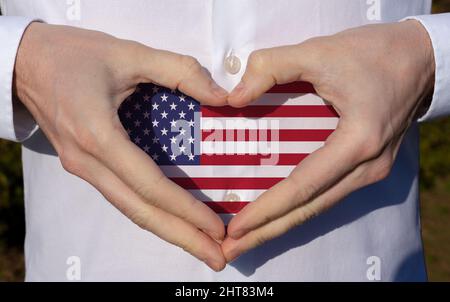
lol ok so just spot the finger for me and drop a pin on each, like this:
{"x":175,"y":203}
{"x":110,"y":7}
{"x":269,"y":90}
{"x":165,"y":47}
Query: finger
{"x":343,"y":152}
{"x":164,"y":225}
{"x":365,"y":174}
{"x":134,"y":167}
{"x":267,"y":67}
{"x":179,"y":72}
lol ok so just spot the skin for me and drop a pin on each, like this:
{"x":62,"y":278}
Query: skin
{"x":73,"y":81}
{"x":376,"y":77}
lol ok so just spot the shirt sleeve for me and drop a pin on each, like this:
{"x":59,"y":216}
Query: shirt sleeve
{"x":438,"y":27}
{"x":16,"y":123}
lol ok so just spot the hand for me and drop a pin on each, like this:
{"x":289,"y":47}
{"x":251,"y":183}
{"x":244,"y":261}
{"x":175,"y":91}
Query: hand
{"x":376,"y":77}
{"x":73,"y":82}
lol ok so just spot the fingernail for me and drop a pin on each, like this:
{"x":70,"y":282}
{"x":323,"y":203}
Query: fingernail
{"x":238,"y":90}
{"x":215,"y":264}
{"x":218,"y":91}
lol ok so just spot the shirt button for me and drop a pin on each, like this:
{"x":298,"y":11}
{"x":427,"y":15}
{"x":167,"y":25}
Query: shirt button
{"x":232,"y":197}
{"x":232,"y":64}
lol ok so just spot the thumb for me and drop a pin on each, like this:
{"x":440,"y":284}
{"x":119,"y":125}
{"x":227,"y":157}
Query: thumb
{"x":268,"y":67}
{"x":177,"y":71}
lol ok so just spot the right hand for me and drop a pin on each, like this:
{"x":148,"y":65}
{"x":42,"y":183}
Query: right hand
{"x":73,"y":82}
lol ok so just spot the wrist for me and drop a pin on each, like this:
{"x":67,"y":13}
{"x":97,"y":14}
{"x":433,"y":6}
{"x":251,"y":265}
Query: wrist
{"x":423,"y":42}
{"x":27,"y":60}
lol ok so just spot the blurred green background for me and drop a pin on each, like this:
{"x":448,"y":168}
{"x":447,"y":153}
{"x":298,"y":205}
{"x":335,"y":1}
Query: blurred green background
{"x":434,"y":184}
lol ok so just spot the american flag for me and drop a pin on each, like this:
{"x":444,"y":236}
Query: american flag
{"x":227,"y":157}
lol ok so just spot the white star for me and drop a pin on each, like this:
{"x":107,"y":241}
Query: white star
{"x":146,"y":98}
{"x":191,"y":106}
{"x":164,"y":114}
{"x":146,"y":131}
{"x":146,"y":115}
{"x":191,"y":123}
{"x":155,"y":123}
{"x":164,"y":131}
{"x":128,"y":114}
{"x":182,"y":98}
{"x":155,"y":140}
{"x":191,"y":157}
{"x":155,"y":106}
{"x":137,"y":123}
{"x":191,"y":140}
{"x":182,"y":149}
{"x":164,"y":97}
{"x":173,"y":140}
{"x":146,"y":148}
{"x":137,"y":106}
{"x":155,"y":89}
{"x":172,"y":90}
{"x":165,"y":148}
{"x":155,"y":157}
{"x":138,"y":89}
{"x":182,"y":131}
{"x":173,"y":123}
{"x":182,"y":114}
{"x":129,"y":131}
{"x":173,"y":157}
{"x":137,"y":140}
{"x":173,"y":106}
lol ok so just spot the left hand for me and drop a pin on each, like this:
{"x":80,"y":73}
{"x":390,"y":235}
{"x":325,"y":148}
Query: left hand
{"x":375,"y":77}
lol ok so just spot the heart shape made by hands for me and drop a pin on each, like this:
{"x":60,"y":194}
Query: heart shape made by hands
{"x":225,"y":156}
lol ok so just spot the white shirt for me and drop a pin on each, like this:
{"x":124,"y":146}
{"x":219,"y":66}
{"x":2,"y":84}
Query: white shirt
{"x":377,"y":227}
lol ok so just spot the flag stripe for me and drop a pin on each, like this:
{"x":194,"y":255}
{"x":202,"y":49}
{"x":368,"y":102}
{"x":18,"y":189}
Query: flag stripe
{"x":289,"y":99}
{"x":226,"y":171}
{"x":270,"y":111}
{"x":253,"y":160}
{"x":289,"y":135}
{"x":295,"y":87}
{"x":213,"y":195}
{"x":225,"y":183}
{"x":224,"y":207}
{"x":219,"y":123}
{"x":265,"y":148}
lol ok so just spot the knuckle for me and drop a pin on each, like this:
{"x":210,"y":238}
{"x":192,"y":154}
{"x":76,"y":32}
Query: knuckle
{"x":70,"y":162}
{"x":190,"y":65}
{"x":382,"y":170}
{"x":258,"y":59}
{"x":140,"y":218}
{"x":370,"y":145}
{"x":260,"y":239}
{"x":93,"y":138}
{"x":305,"y":192}
{"x":193,"y":244}
{"x":148,"y":190}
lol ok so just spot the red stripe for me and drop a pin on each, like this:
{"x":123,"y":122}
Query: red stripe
{"x":264,"y":135}
{"x":270,"y":111}
{"x":252,"y":160}
{"x":295,"y":87}
{"x":226,"y":207}
{"x":236,"y":183}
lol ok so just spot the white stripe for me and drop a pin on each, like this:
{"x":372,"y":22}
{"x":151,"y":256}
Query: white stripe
{"x":227,"y":171}
{"x":258,"y":147}
{"x":221,"y":195}
{"x":219,"y":123}
{"x":289,"y":99}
